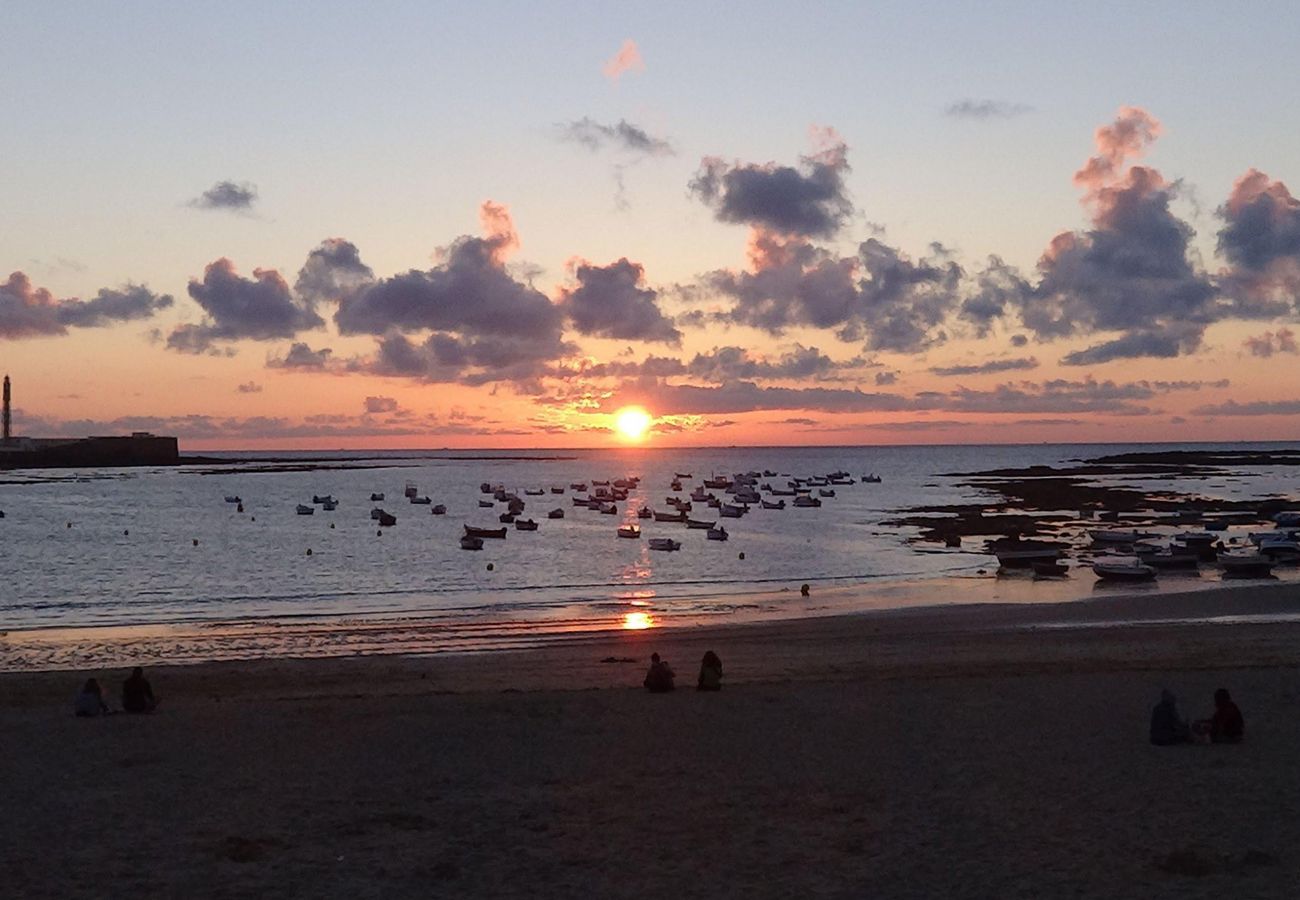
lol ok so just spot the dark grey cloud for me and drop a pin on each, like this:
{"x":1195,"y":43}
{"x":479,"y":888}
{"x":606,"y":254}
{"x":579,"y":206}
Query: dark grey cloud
{"x":259,"y":308}
{"x":729,"y":363}
{"x":810,"y":200}
{"x":984,"y":110}
{"x":249,"y":387}
{"x":1019,"y":340}
{"x":1174,"y":340}
{"x":442,"y":357}
{"x":884,"y":379}
{"x":28,"y":311}
{"x":621,"y":136}
{"x":1268,"y":343}
{"x":612,"y":302}
{"x":333,"y":270}
{"x":1260,"y":239}
{"x":996,"y":365}
{"x":302,"y":356}
{"x":227,"y":195}
{"x":374,"y":405}
{"x":997,"y":288}
{"x":879,"y":297}
{"x":1255,"y":408}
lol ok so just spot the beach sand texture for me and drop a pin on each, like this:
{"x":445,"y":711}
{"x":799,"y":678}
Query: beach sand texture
{"x":845,"y":757}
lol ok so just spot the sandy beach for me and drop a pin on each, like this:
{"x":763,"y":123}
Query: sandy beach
{"x":975,"y":752}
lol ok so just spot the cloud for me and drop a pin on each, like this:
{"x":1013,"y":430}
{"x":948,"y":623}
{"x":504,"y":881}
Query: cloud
{"x":375,"y":405}
{"x":261,"y":308}
{"x":627,"y":59}
{"x":983,"y":110}
{"x":1268,"y":343}
{"x":301,"y":356}
{"x":611,"y":301}
{"x":1256,"y":408}
{"x":1174,"y":340}
{"x":880,"y":296}
{"x":1260,"y":239}
{"x":1118,"y":143}
{"x":27,"y":311}
{"x":810,"y":200}
{"x":622,"y":135}
{"x":996,"y":365}
{"x":249,"y":387}
{"x":1019,"y":340}
{"x":730,"y":363}
{"x":884,"y":379}
{"x":333,"y":270}
{"x":227,"y":195}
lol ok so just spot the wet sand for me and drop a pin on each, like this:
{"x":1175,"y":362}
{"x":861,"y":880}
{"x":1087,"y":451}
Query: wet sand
{"x":933,"y":753}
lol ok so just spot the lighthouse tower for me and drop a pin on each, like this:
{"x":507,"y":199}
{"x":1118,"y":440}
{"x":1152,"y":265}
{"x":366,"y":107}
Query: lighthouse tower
{"x":7,"y":421}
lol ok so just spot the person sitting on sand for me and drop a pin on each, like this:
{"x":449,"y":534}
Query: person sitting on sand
{"x":90,"y":702}
{"x":1167,"y":727}
{"x":137,"y":695}
{"x":1226,"y":726}
{"x":710,"y":673}
{"x":659,"y":679}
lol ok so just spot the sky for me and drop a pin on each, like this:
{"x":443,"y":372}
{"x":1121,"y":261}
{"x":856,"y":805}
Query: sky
{"x":497,"y":225}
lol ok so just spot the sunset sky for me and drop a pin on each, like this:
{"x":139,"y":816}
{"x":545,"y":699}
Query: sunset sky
{"x":496,"y":225}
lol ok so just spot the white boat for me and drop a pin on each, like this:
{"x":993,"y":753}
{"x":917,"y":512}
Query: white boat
{"x":629,"y":531}
{"x":718,"y":534}
{"x":422,"y":501}
{"x":1124,"y":570}
{"x":665,"y":544}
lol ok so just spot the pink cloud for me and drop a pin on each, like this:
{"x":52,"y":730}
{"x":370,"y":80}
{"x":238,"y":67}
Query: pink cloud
{"x":1268,"y":343}
{"x":627,"y":59}
{"x":1133,"y":130}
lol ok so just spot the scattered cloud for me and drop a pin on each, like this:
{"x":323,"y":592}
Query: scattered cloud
{"x":259,"y":308}
{"x":374,"y":405}
{"x":249,"y":387}
{"x":621,"y":136}
{"x":627,"y":59}
{"x":27,"y":311}
{"x":227,"y":195}
{"x":1260,"y":239}
{"x":1255,"y":408}
{"x":884,"y":379}
{"x":612,"y":302}
{"x":984,"y":110}
{"x":1268,"y":343}
{"x":302,"y":356}
{"x":333,"y":271}
{"x":996,"y":365}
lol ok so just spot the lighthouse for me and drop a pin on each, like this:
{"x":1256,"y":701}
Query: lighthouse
{"x":8,"y":421}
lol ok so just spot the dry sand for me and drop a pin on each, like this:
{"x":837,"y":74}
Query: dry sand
{"x":930,"y":754}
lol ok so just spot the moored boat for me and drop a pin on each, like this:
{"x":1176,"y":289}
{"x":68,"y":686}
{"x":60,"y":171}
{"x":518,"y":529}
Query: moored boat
{"x":304,"y":510}
{"x":1050,"y":568}
{"x":717,"y":534}
{"x":387,"y":520}
{"x":1246,"y":565}
{"x":525,"y":525}
{"x":556,"y":513}
{"x":629,"y":530}
{"x":696,"y":523}
{"x":669,"y":517}
{"x":376,"y":496}
{"x":439,"y":510}
{"x":1123,"y":570}
{"x":485,"y":532}
{"x":664,"y":544}
{"x":469,"y":542}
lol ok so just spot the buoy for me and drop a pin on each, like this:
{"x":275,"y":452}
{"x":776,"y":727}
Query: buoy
{"x":69,"y":524}
{"x":196,"y":542}
{"x":252,"y":518}
{"x":239,"y":508}
{"x":490,"y":567}
{"x":742,"y":554}
{"x":379,"y":533}
{"x":309,"y":551}
{"x":804,"y":590}
{"x":331,"y":524}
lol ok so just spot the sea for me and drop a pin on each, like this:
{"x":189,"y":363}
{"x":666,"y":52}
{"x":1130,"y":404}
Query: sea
{"x":91,"y":548}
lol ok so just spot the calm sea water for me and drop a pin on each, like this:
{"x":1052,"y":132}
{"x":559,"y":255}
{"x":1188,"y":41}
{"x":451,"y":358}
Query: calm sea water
{"x":118,"y":546}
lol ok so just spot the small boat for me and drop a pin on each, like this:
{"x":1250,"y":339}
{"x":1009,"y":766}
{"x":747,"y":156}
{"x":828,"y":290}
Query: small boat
{"x":1169,"y":558}
{"x":768,"y":473}
{"x":376,"y":497}
{"x":717,"y":534}
{"x":557,"y":490}
{"x":823,"y":492}
{"x":485,"y":504}
{"x":468,"y":542}
{"x":871,"y":479}
{"x":1123,"y":570}
{"x":699,"y":495}
{"x":717,"y":483}
{"x":525,"y":525}
{"x":484,"y":487}
{"x":675,"y":486}
{"x":1196,"y":539}
{"x":768,"y":504}
{"x":376,"y":513}
{"x":329,"y":505}
{"x":317,"y":498}
{"x":777,"y":493}
{"x":609,"y":510}
{"x":506,"y":517}
{"x":422,"y":501}
{"x":696,"y":523}
{"x":805,"y":500}
{"x":498,"y":533}
{"x":387,"y":520}
{"x":1246,"y":565}
{"x":555,"y":514}
{"x":629,"y":531}
{"x":670,"y":517}
{"x":304,"y":510}
{"x":601,"y":483}
{"x":1018,"y":554}
{"x":578,"y":486}
{"x":439,"y":510}
{"x":1051,"y":568}
{"x":1120,"y":537}
{"x":234,"y":498}
{"x":645,"y":512}
{"x":537,"y":493}
{"x":1280,"y":549}
{"x":411,"y":490}
{"x":714,"y":502}
{"x":1287,"y":518}
{"x":680,"y":475}
{"x":731,"y":512}
{"x":665,"y":544}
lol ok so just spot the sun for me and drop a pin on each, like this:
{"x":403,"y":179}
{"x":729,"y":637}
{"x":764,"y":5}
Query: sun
{"x":632,"y":422}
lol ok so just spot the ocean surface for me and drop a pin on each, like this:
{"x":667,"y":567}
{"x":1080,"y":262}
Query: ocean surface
{"x":156,"y":546}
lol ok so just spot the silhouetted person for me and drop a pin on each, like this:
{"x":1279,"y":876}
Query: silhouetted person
{"x":659,"y":679}
{"x":1167,"y":727}
{"x":90,"y":702}
{"x":137,"y":695}
{"x":1226,"y":726}
{"x":710,"y":673}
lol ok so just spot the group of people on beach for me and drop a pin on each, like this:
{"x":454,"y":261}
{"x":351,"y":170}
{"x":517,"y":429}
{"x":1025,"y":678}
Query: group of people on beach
{"x":1225,"y":726}
{"x":660,"y":677}
{"x":137,"y":697}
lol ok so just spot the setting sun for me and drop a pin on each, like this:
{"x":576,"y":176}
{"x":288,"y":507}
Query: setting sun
{"x":632,"y":422}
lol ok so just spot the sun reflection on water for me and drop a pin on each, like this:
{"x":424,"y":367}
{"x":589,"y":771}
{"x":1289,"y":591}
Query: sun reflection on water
{"x":638,"y":621}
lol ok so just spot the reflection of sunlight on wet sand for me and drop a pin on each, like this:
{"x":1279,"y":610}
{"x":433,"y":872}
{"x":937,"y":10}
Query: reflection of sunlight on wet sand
{"x":638,"y":621}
